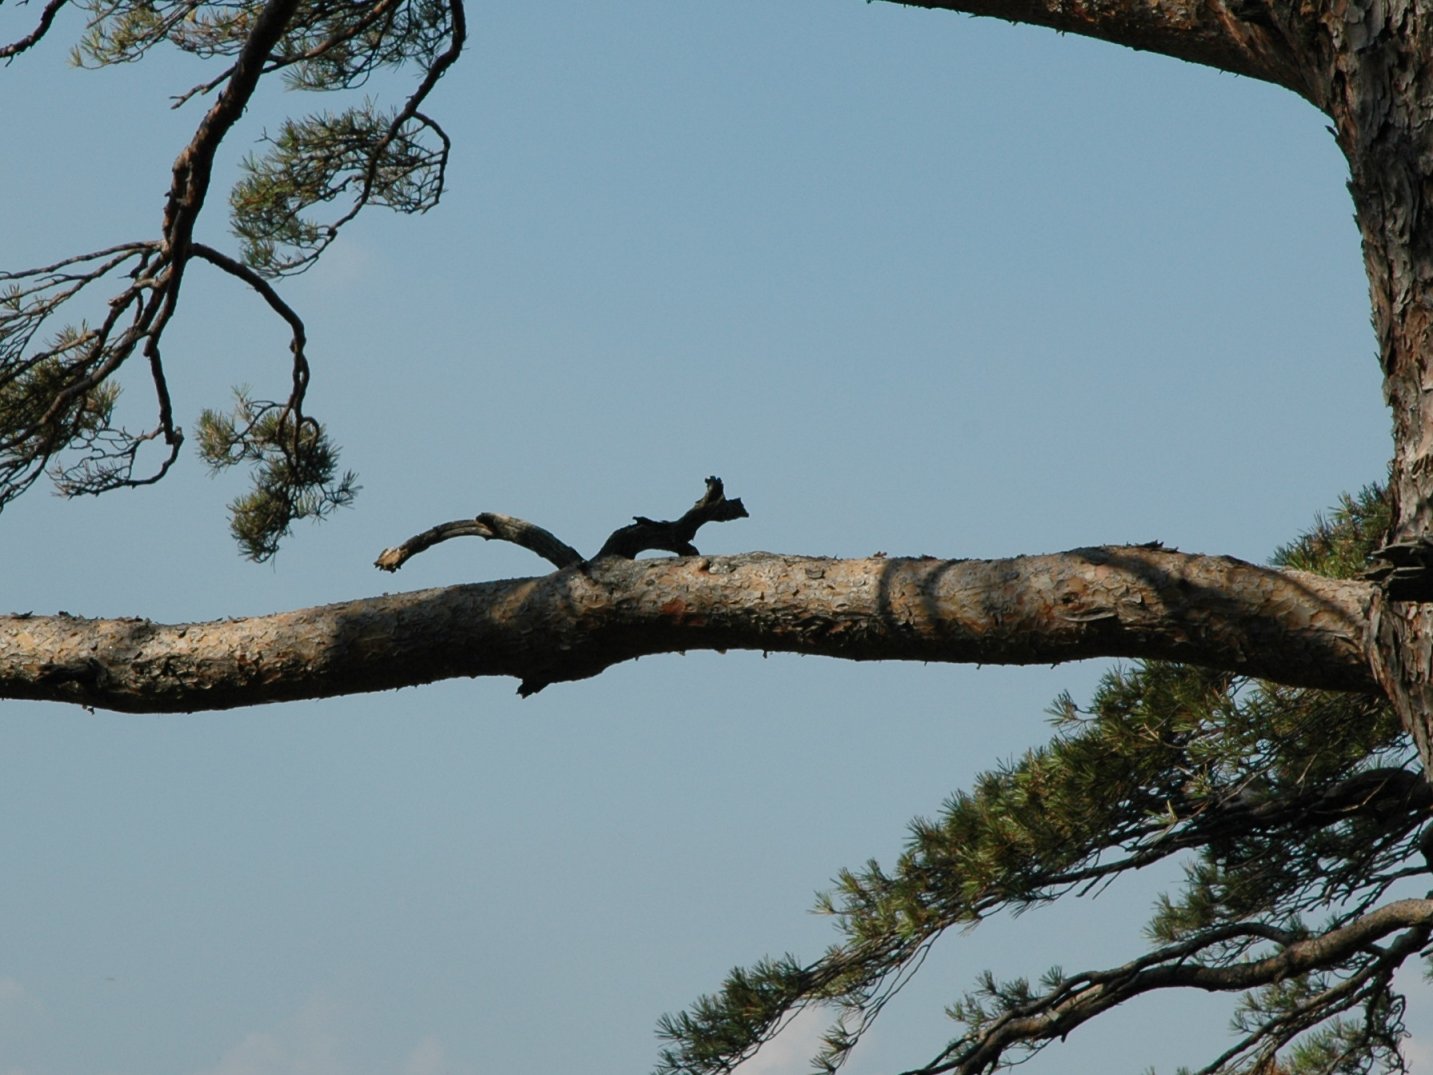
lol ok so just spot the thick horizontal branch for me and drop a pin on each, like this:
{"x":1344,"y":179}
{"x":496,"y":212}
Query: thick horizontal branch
{"x":1248,"y":37}
{"x":1122,"y":601}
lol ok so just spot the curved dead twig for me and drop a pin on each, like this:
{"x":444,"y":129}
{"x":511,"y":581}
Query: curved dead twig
{"x":490,"y":526}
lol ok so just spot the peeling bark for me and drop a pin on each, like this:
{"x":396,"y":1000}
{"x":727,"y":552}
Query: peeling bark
{"x":1379,"y":79}
{"x":1130,"y":601}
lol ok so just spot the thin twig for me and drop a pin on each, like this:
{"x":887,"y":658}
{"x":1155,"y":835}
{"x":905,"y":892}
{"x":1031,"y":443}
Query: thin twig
{"x":47,"y":16}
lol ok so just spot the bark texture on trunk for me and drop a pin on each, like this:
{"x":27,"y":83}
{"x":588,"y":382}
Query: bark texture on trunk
{"x":1131,"y":601}
{"x":1379,"y":79}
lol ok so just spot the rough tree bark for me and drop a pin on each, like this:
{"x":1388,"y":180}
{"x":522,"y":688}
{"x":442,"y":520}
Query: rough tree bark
{"x":1378,"y":87}
{"x":1134,"y":601}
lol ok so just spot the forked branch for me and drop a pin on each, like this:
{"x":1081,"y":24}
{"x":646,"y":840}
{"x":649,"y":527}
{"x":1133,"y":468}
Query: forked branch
{"x":1195,"y":964}
{"x":641,"y":536}
{"x":644,"y":534}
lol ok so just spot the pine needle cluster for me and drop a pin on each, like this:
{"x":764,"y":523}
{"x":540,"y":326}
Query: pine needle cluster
{"x":317,"y":159}
{"x":295,"y":470}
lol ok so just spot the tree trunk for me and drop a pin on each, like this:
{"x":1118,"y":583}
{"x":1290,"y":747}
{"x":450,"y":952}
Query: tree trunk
{"x":1380,"y":94}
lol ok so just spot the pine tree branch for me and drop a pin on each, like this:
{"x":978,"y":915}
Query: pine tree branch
{"x":298,"y":339}
{"x":135,"y":320}
{"x":42,"y":27}
{"x":376,"y":155}
{"x":1122,"y":601}
{"x":1247,"y":37}
{"x":1081,"y":997}
{"x":1399,"y":798}
{"x":195,"y":164}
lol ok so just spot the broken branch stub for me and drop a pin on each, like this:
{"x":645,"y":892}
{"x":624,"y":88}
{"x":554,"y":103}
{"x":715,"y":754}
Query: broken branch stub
{"x":648,"y":534}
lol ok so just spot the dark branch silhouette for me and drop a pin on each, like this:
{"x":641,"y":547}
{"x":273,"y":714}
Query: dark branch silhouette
{"x":642,"y":535}
{"x":47,"y":18}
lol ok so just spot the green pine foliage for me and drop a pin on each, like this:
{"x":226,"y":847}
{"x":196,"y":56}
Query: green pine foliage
{"x":341,"y":45}
{"x":1338,"y":545}
{"x":295,"y":470}
{"x":48,"y":400}
{"x":366,"y":153}
{"x":1282,"y":803}
{"x":328,"y":45}
{"x":47,"y":405}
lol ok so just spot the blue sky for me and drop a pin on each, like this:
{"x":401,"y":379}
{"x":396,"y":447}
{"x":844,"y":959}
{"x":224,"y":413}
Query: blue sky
{"x":908,"y":281}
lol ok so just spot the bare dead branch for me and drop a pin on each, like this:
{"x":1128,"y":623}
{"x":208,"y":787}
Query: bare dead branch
{"x":490,"y":526}
{"x":647,"y":534}
{"x":626,"y":542}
